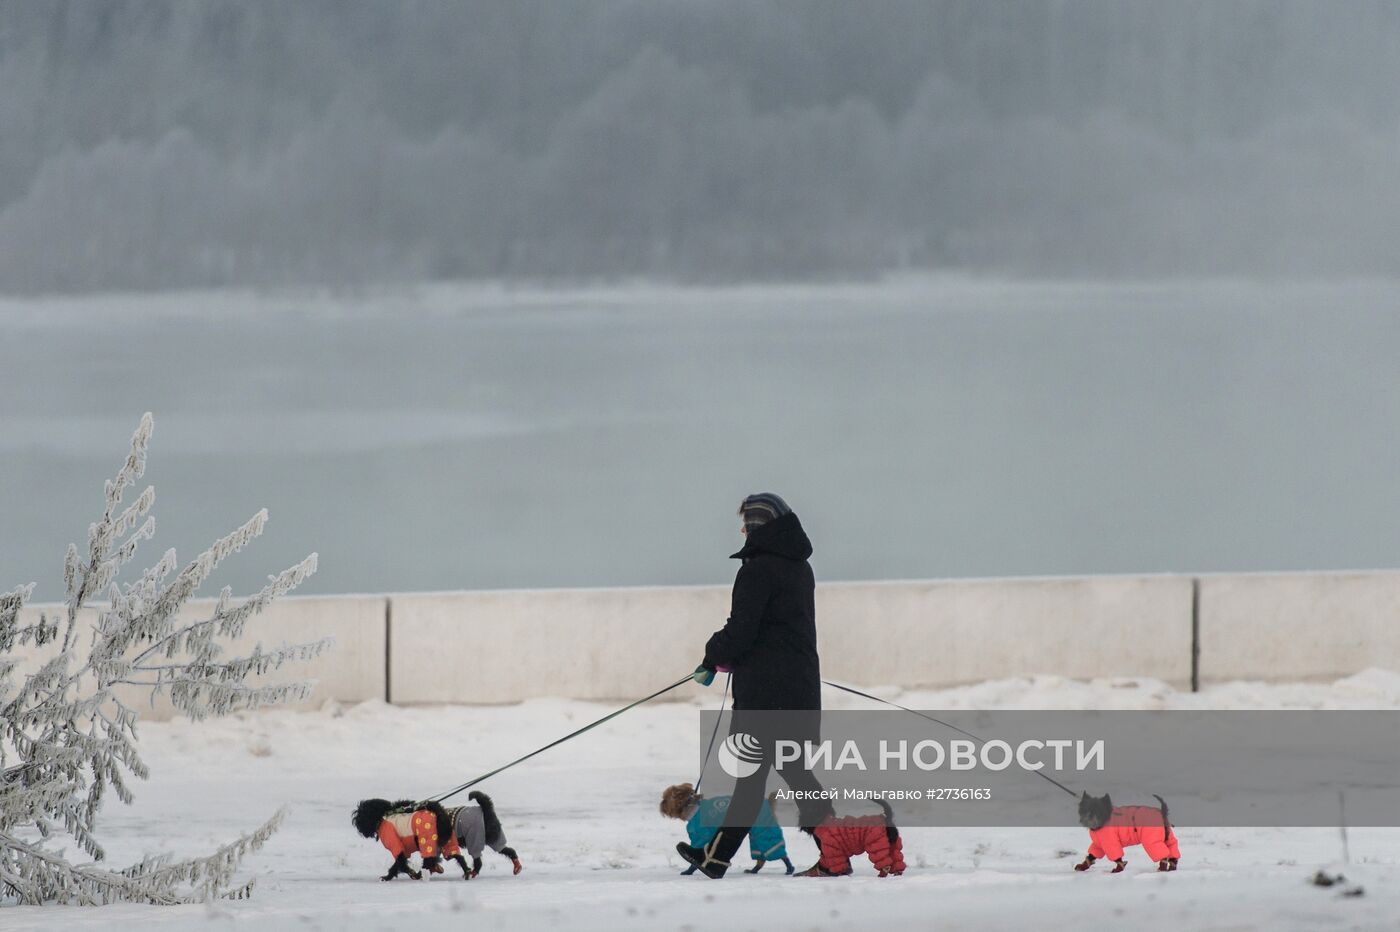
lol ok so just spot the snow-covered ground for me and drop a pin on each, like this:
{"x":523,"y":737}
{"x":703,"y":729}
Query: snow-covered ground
{"x":598,"y":856}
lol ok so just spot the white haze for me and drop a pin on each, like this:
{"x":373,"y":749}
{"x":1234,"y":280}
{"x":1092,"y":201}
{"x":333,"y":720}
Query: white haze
{"x":157,"y":144}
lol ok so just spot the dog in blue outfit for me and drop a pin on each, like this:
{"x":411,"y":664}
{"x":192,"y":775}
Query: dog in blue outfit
{"x":704,"y":817}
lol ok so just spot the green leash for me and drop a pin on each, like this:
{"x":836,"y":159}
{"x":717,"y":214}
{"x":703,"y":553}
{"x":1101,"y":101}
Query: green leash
{"x":573,"y":734}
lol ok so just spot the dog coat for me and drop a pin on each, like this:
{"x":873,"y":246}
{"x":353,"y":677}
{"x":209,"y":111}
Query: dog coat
{"x":844,"y":838}
{"x":1134,"y":825}
{"x":469,"y":825}
{"x":405,"y":833}
{"x":766,"y":842}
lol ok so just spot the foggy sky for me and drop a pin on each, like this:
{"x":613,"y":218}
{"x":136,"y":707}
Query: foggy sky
{"x":173,"y":144}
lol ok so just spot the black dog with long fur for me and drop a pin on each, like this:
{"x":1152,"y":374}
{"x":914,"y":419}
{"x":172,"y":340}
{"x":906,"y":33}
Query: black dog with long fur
{"x":406,"y":827}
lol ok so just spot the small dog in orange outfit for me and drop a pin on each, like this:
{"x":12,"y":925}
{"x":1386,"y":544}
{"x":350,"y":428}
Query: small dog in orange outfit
{"x":406,"y":827}
{"x":841,"y":839}
{"x":1113,"y":828}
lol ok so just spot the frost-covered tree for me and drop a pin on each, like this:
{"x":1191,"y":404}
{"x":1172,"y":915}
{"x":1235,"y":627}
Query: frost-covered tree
{"x":66,"y":734}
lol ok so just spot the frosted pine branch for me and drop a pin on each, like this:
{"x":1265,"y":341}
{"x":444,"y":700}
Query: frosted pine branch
{"x":10,"y":604}
{"x":198,"y":638}
{"x":37,"y":875}
{"x":66,"y":737}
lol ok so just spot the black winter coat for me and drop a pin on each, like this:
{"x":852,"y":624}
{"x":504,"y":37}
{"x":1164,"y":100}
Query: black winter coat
{"x":770,"y":640}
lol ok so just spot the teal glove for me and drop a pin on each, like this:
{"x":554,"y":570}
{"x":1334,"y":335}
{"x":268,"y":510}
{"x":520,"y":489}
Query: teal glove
{"x":703,"y":675}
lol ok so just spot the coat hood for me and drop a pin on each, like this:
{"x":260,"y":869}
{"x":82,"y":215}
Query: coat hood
{"x":782,"y":537}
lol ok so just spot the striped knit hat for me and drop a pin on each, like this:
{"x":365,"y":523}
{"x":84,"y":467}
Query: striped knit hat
{"x":761,"y":507}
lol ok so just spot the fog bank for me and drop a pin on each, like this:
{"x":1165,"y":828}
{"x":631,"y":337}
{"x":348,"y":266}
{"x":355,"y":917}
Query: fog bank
{"x":159,"y":144}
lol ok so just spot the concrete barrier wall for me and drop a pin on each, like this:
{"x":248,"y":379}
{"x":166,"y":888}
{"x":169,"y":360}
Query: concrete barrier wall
{"x":1298,"y":625}
{"x":505,"y":646}
{"x":610,"y":643}
{"x":951,"y":632}
{"x":582,"y":643}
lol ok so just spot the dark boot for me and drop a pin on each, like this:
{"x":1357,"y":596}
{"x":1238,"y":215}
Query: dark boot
{"x":701,"y":859}
{"x":713,"y":859}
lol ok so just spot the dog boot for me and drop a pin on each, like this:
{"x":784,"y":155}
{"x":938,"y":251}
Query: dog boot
{"x":509,"y":852}
{"x":1166,"y":864}
{"x":788,"y":864}
{"x":1120,"y":865}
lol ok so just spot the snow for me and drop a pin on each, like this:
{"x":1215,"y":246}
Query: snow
{"x":597,"y":854}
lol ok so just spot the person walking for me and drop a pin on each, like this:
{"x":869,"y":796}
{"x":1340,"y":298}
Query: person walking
{"x":769,"y":645}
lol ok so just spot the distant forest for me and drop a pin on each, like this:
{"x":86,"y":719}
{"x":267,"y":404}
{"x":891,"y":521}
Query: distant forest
{"x":169,"y":144}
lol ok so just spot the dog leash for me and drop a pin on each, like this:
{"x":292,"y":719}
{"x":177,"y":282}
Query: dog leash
{"x":718,"y":718}
{"x":681,"y":682}
{"x":896,"y":705}
{"x":573,"y":734}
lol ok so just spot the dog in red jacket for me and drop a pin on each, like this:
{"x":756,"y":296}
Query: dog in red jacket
{"x":1113,"y":828}
{"x":841,"y":839}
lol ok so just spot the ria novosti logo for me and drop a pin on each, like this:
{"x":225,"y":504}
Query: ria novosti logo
{"x":740,"y":755}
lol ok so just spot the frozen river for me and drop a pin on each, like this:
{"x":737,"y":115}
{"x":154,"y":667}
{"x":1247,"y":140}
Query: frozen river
{"x":465,"y":437}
